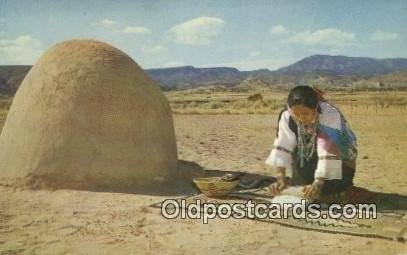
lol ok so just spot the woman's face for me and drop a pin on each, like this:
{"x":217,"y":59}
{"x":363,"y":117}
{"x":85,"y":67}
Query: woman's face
{"x":303,"y":114}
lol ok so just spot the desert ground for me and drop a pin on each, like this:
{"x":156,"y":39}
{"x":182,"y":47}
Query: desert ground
{"x":218,"y":131}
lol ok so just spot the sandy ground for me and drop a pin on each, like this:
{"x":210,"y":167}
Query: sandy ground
{"x":83,"y":222}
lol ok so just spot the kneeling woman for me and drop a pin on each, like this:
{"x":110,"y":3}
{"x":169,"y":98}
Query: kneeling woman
{"x":314,"y":146}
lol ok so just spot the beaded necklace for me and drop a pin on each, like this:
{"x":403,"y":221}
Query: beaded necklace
{"x":306,"y":139}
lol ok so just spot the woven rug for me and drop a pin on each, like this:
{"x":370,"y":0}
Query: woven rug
{"x":391,"y":221}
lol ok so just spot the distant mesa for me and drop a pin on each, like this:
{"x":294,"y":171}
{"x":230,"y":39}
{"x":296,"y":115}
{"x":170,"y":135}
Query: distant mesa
{"x":87,"y":116}
{"x":342,"y":65}
{"x":340,"y":71}
{"x":188,"y":76}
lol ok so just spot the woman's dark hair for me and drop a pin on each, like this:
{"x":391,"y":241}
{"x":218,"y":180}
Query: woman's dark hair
{"x":303,"y":95}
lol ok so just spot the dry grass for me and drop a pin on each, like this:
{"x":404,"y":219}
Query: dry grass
{"x":200,"y":102}
{"x":268,"y":102}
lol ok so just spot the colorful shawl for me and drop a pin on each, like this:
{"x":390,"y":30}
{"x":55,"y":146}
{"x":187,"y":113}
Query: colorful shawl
{"x":333,"y":134}
{"x":338,"y":141}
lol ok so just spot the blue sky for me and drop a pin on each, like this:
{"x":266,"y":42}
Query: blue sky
{"x":247,"y":34}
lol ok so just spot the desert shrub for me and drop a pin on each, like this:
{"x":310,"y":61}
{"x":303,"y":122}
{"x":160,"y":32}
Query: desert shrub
{"x":239,"y":105}
{"x":213,"y":105}
{"x":255,"y":97}
{"x":5,"y":103}
{"x":174,"y":105}
{"x":196,"y":112}
{"x":274,"y":104}
{"x":193,"y":104}
{"x":259,"y":105}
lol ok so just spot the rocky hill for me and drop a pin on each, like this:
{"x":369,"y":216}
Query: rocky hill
{"x":342,"y":65}
{"x":252,"y":84}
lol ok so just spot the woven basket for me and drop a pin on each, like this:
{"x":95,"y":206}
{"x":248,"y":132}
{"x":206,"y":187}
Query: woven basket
{"x":215,"y":186}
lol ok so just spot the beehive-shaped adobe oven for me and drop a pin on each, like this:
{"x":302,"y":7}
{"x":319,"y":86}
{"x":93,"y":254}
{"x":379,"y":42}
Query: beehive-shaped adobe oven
{"x":87,"y":116}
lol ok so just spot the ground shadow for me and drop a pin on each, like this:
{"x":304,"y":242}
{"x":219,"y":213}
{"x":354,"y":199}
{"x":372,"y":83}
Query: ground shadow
{"x":183,"y":185}
{"x":390,"y":202}
{"x":386,"y":202}
{"x":180,"y":183}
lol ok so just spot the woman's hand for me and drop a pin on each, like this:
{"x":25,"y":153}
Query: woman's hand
{"x":313,"y":191}
{"x":279,"y":185}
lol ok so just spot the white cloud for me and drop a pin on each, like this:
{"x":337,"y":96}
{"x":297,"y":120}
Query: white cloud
{"x":107,"y":23}
{"x":383,"y":36}
{"x":136,"y":30}
{"x":254,"y":54}
{"x":278,"y":30}
{"x":152,"y":49}
{"x":327,"y":37}
{"x":24,"y":50}
{"x":199,"y":31}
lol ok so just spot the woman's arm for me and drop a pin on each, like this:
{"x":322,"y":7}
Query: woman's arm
{"x":280,"y":156}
